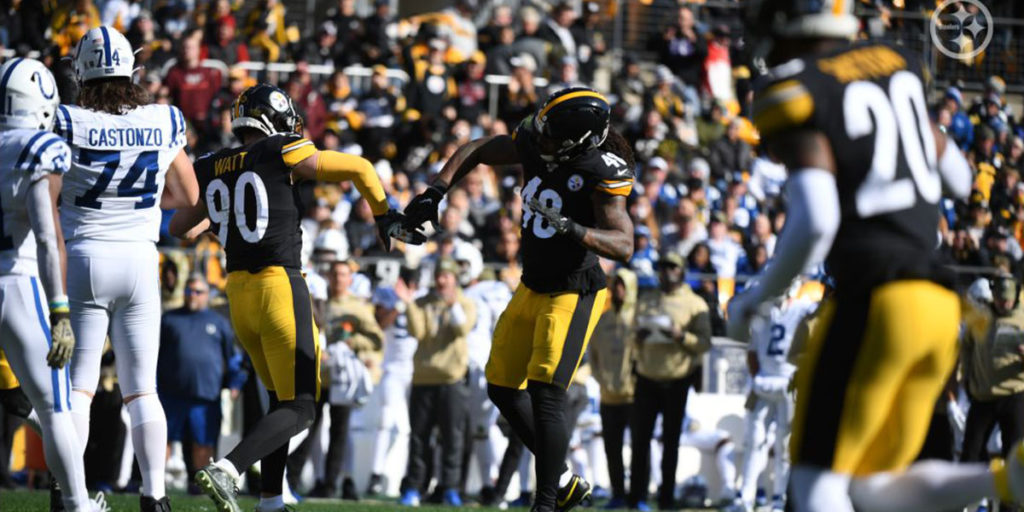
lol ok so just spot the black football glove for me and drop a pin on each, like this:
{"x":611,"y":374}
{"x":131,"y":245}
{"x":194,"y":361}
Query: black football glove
{"x":562,"y":225}
{"x":393,"y":225}
{"x":424,"y":207}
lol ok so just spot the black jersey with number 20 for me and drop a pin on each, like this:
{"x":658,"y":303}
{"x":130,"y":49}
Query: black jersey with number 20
{"x":869,"y":100}
{"x":252,"y":203}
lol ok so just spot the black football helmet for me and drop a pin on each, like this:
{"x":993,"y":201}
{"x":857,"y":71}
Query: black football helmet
{"x":572,"y":121}
{"x":267,"y":109}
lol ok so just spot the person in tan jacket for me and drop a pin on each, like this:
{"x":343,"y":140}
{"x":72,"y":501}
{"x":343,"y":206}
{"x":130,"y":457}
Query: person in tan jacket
{"x":992,"y":361}
{"x":673,"y":329}
{"x":348,"y":318}
{"x":611,"y":359}
{"x":441,"y":321}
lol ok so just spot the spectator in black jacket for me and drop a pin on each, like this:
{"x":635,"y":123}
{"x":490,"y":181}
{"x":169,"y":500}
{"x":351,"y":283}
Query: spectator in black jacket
{"x":730,"y":154}
{"x":377,"y":46}
{"x":682,"y":48}
{"x":589,"y":42}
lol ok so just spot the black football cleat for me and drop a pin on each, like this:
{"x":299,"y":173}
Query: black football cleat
{"x":574,"y":494}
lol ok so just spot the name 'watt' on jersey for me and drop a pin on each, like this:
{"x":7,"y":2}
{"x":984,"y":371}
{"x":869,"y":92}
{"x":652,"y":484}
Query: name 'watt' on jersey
{"x":252,"y":205}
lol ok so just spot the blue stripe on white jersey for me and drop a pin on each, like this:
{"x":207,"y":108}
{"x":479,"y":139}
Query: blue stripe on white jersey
{"x":63,"y":126}
{"x":174,"y":125}
{"x":27,"y":149}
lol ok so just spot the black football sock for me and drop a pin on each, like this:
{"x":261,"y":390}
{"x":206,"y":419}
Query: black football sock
{"x":515,"y":406}
{"x":551,"y":439}
{"x":286,"y":418}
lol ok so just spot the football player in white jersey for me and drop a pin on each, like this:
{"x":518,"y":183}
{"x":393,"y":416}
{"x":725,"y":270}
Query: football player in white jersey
{"x":38,"y":342}
{"x":127,"y":164}
{"x":491,"y":297}
{"x":395,"y":383}
{"x":770,"y":401}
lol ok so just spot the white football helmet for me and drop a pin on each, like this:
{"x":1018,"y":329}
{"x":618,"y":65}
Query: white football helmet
{"x":103,"y":53}
{"x":29,"y":95}
{"x":471,"y":262}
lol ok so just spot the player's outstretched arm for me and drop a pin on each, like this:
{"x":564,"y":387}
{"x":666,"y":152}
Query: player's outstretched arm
{"x":42,"y":209}
{"x":190,"y":221}
{"x":181,"y":189}
{"x":335,"y":167}
{"x":953,"y":168}
{"x":812,"y":221}
{"x":493,"y":150}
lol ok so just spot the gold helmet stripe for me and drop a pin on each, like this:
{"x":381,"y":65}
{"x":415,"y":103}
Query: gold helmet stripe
{"x":567,"y":97}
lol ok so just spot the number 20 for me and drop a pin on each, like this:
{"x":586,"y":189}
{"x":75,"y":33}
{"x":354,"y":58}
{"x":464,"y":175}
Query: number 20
{"x":899,"y":117}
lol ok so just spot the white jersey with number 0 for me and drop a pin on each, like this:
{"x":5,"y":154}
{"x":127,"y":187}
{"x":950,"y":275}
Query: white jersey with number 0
{"x":112,"y":191}
{"x":25,"y":156}
{"x":773,"y":338}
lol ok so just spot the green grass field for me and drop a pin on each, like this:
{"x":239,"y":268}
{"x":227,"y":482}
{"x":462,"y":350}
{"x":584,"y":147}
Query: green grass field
{"x":31,"y":501}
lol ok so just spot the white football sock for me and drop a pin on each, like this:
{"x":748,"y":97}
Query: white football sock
{"x":925,"y":486}
{"x":33,"y":422}
{"x":81,"y":406}
{"x":149,"y":437}
{"x":229,"y":468}
{"x":563,"y":479}
{"x":272,"y":503}
{"x":64,"y":457}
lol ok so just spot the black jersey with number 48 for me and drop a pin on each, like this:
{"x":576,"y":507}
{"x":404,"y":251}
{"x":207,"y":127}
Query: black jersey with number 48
{"x":869,"y":100}
{"x":556,"y":263}
{"x":253,"y":207}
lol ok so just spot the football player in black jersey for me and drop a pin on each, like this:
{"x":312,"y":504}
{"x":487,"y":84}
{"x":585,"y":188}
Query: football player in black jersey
{"x":867,"y":169}
{"x":249,"y":199}
{"x":577,"y":175}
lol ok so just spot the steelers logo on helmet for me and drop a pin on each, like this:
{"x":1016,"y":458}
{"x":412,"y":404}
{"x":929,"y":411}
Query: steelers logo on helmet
{"x":571,"y":122}
{"x":267,"y":109}
{"x":278,"y":101}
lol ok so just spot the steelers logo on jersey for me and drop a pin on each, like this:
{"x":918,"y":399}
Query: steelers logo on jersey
{"x":575,"y":183}
{"x":278,"y":101}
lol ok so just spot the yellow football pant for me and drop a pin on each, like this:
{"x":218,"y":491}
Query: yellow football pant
{"x":272,"y":315}
{"x":542,"y":337}
{"x":875,"y":366}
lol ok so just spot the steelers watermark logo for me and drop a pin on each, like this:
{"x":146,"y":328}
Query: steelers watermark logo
{"x":961,"y":29}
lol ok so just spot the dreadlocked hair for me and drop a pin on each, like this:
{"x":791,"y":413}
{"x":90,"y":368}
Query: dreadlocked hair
{"x":113,"y":95}
{"x":616,"y":144}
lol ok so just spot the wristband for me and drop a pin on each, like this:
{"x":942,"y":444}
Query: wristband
{"x":576,"y":231}
{"x":59,"y":304}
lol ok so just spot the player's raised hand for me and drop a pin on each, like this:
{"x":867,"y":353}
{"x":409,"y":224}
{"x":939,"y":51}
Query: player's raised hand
{"x":424,"y":207}
{"x":394,"y":225}
{"x":63,"y":339}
